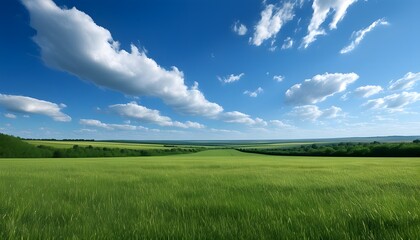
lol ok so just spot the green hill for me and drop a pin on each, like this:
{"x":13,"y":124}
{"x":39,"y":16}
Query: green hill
{"x":12,"y":147}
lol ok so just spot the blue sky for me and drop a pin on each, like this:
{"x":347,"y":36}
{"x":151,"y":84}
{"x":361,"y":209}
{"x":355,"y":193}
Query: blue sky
{"x":209,"y":69}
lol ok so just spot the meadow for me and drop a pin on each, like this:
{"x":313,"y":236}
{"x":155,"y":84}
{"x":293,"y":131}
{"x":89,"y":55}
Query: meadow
{"x":213,"y":194}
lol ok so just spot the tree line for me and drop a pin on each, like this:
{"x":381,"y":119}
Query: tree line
{"x":348,"y":149}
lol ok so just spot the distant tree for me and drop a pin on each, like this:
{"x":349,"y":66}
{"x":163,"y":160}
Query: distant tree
{"x":416,"y":141}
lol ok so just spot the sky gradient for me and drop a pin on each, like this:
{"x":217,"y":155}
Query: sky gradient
{"x":157,"y":70}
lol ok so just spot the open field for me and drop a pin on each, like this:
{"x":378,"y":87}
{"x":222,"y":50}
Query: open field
{"x":215,"y":194}
{"x":70,"y":144}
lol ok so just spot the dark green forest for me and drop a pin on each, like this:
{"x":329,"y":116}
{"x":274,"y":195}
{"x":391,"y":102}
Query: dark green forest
{"x":348,"y":149}
{"x":13,"y":147}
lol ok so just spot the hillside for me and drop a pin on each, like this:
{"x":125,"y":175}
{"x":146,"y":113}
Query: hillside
{"x":11,"y":147}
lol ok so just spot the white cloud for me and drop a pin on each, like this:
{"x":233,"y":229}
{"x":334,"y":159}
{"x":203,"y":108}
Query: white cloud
{"x":30,"y":105}
{"x":86,"y":130}
{"x":278,"y":78}
{"x":238,"y":117}
{"x":99,"y":124}
{"x":288,"y":43}
{"x":393,"y":102}
{"x":367,"y":91}
{"x":312,"y":112}
{"x":239,"y":28}
{"x":231,"y":78}
{"x":319,"y":88}
{"x":322,"y":9}
{"x":405,"y":83}
{"x":255,"y":93}
{"x":272,"y":47}
{"x":306,"y":112}
{"x":271,"y":22}
{"x":332,"y":112}
{"x":144,"y":114}
{"x":216,"y":130}
{"x":10,"y":115}
{"x":280,"y":124}
{"x":71,"y":41}
{"x":359,"y":35}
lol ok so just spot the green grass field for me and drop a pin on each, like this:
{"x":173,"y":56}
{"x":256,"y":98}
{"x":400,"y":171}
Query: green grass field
{"x":215,"y":194}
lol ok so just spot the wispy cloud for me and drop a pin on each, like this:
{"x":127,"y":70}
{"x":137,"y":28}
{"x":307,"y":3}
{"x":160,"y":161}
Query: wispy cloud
{"x":231,"y":78}
{"x":238,"y":117}
{"x":10,"y":115}
{"x":99,"y":124}
{"x":313,"y":112}
{"x":272,"y":20}
{"x":280,"y":124}
{"x":359,"y":35}
{"x":394,"y":102}
{"x":255,"y":93}
{"x":405,"y":83}
{"x":278,"y":78}
{"x":288,"y":43}
{"x":321,"y":9}
{"x":239,"y":28}
{"x":367,"y":91}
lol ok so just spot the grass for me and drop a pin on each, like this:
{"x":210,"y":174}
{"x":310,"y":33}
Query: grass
{"x":70,"y":144}
{"x":215,"y":194}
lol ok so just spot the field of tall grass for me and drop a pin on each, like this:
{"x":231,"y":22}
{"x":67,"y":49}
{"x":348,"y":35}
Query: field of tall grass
{"x":214,"y":194}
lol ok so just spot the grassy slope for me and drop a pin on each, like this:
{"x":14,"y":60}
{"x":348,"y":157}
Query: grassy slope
{"x":217,"y":194}
{"x":10,"y":146}
{"x":70,"y":144}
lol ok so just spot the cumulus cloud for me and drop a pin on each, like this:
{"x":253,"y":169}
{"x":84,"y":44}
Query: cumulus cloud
{"x":288,"y":43}
{"x":239,"y":28}
{"x":313,"y":112}
{"x":238,"y":117}
{"x":405,"y":83}
{"x":255,"y":93}
{"x":28,"y":105}
{"x":393,"y":102}
{"x":367,"y":91}
{"x":144,"y":114}
{"x":278,"y":78}
{"x":359,"y":35}
{"x":99,"y":124}
{"x":321,"y":9}
{"x":10,"y":115}
{"x":319,"y":88}
{"x":71,"y":41}
{"x":231,"y":78}
{"x":272,"y":20}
